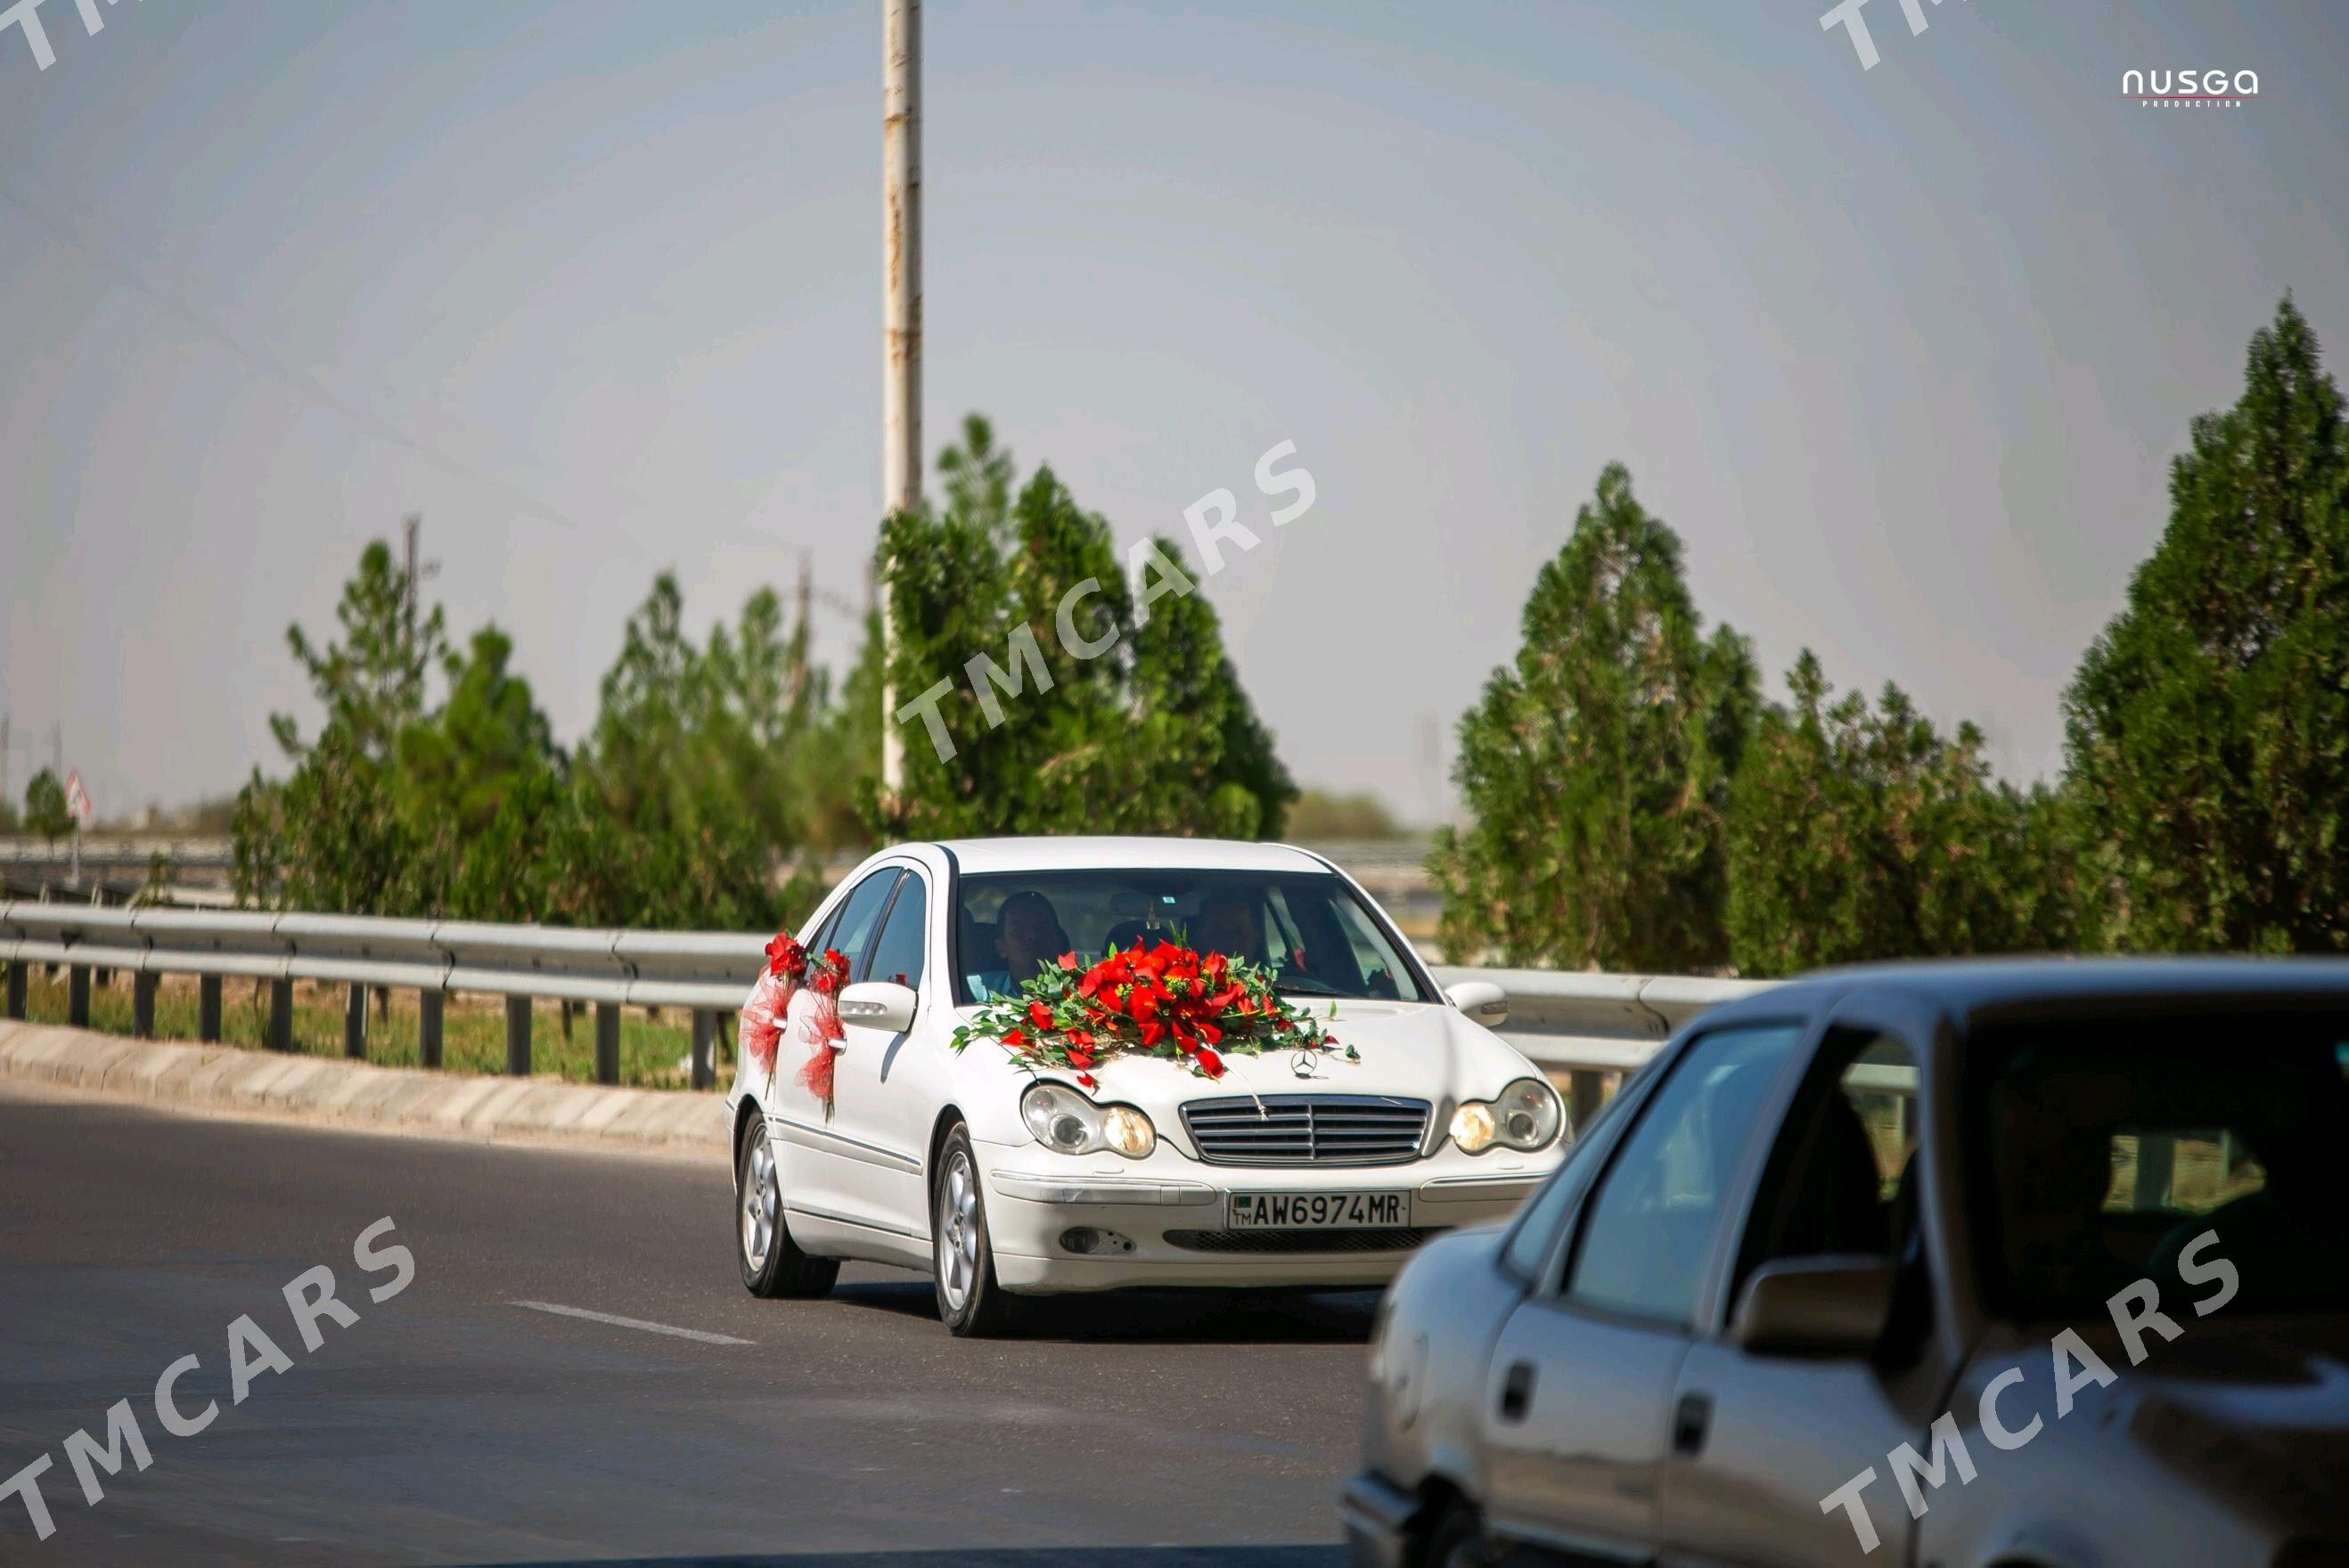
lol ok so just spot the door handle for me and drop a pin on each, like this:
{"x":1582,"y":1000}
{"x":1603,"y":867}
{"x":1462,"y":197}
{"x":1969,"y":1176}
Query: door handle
{"x":1517,"y":1391}
{"x":1691,"y":1418}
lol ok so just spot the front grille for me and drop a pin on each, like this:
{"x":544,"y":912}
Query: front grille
{"x":1398,"y":1239}
{"x":1307,"y":1130}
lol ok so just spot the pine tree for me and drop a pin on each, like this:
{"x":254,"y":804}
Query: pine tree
{"x":1128,"y":717}
{"x":2207,"y":729}
{"x":1597,"y":766}
{"x":1857,"y":834}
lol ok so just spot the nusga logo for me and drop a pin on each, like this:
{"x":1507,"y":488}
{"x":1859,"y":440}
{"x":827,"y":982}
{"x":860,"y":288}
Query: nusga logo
{"x":2190,"y":90}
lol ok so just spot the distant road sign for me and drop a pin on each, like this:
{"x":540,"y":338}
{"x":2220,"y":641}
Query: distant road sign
{"x":77,"y":804}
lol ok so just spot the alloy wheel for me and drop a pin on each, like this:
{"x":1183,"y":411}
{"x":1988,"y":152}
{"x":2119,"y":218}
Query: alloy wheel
{"x":957,"y":1238}
{"x":761,"y":1206}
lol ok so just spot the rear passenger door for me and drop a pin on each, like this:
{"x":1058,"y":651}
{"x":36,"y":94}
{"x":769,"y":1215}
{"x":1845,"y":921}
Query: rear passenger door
{"x":1574,"y":1418}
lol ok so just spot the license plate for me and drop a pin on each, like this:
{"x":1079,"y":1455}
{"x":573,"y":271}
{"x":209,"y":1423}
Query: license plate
{"x":1315,"y":1211}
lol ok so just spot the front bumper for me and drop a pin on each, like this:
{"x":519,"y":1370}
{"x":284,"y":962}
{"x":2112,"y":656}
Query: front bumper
{"x":1167,"y":1217}
{"x":1379,"y":1517}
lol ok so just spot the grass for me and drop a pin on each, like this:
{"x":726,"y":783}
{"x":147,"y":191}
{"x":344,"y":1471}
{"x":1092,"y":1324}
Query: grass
{"x":653,"y":1049}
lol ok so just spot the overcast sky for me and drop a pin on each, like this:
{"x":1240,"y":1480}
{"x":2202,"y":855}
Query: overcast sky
{"x":1903,"y":352}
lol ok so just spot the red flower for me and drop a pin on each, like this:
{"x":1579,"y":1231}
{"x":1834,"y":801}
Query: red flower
{"x":1015,"y":1040}
{"x":1210,"y":1064}
{"x":1067,"y":961}
{"x":1088,"y":1080}
{"x":1040,"y":1015}
{"x":785,"y":956}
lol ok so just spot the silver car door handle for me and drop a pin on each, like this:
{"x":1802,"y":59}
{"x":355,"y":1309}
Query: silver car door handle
{"x":1517,"y":1391}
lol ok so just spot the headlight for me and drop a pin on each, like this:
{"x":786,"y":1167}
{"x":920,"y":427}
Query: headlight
{"x":1526,"y":1116}
{"x":1066,"y":1122}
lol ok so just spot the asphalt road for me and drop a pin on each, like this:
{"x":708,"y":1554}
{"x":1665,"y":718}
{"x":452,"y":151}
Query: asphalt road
{"x":448,"y":1425}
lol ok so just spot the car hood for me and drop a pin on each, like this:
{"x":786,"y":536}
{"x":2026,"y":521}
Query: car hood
{"x":1421,"y":1051}
{"x":2261,"y":1407}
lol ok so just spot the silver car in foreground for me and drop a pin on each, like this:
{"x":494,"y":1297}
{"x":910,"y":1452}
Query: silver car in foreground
{"x":2017,"y":1264}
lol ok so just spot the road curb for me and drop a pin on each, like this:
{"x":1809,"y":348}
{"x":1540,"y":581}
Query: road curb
{"x":324,"y":1091}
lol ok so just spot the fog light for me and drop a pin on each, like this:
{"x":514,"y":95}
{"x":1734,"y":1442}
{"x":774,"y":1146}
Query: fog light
{"x":1087,"y":1240}
{"x":1473,"y":1126}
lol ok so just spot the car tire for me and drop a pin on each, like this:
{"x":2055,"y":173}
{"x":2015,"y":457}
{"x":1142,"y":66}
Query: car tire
{"x":962,"y":1256}
{"x":1457,"y":1541}
{"x":773,"y":1265}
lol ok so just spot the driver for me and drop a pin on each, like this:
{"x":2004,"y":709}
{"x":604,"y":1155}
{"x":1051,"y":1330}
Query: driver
{"x":1232,"y":923}
{"x":1027,"y":937}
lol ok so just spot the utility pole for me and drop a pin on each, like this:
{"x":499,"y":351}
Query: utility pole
{"x":805,"y":600}
{"x":415,"y":573}
{"x":901,"y":325}
{"x":4,"y":796}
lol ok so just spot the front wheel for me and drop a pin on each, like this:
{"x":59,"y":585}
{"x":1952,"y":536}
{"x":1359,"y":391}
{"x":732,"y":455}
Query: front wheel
{"x":1457,"y":1542}
{"x":970,"y":1303}
{"x":773,"y":1263}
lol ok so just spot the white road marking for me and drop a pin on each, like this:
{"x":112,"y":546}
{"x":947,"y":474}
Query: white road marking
{"x":705,"y":1338}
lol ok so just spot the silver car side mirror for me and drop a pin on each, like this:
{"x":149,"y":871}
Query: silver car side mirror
{"x":879,"y":1005}
{"x":1481,"y":1000}
{"x":1831,"y":1303}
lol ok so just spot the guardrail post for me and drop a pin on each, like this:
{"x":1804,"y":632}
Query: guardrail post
{"x":208,"y":1008}
{"x":428,"y":1008}
{"x":17,"y":976}
{"x":281,"y":1015}
{"x":77,"y":996}
{"x":517,"y":1036}
{"x":705,"y":1041}
{"x":607,"y":1042}
{"x":1586,"y":1090}
{"x":355,"y":1024}
{"x":142,"y":1005}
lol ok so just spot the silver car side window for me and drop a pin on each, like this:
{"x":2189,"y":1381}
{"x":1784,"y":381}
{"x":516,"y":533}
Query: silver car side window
{"x":1660,"y":1207}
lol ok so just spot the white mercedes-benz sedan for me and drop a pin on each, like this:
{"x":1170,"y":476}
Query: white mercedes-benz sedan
{"x":1008,"y":1174}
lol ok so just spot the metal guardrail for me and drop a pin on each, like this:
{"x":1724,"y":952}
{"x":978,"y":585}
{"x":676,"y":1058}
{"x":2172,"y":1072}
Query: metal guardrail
{"x":707,"y":972}
{"x":1581,"y":1027}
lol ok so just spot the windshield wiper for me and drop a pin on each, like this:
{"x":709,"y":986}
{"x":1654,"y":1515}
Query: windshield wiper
{"x":1307,"y":986}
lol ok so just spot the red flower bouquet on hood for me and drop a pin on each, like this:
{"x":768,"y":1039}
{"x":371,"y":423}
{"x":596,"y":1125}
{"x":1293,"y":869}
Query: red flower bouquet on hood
{"x":1158,"y":1000}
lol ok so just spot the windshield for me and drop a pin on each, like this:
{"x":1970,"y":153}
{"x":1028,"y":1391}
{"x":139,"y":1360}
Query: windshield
{"x":1308,"y":927}
{"x":2111,"y":1147}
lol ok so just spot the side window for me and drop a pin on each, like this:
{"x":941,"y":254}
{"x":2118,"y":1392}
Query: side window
{"x":1546,"y":1212}
{"x":1652,"y":1224}
{"x":905,"y":938}
{"x":1839,"y":1178}
{"x":851,"y":930}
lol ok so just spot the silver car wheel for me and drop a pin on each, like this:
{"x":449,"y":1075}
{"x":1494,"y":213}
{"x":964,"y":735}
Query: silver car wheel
{"x":762,"y":1203}
{"x":957,"y":1237}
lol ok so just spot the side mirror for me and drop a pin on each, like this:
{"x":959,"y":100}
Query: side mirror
{"x":1481,"y":1000}
{"x":879,"y":1005}
{"x":1835,"y":1303}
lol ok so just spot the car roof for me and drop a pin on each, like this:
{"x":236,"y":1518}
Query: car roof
{"x":1074,"y":852}
{"x":1967,"y":987}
